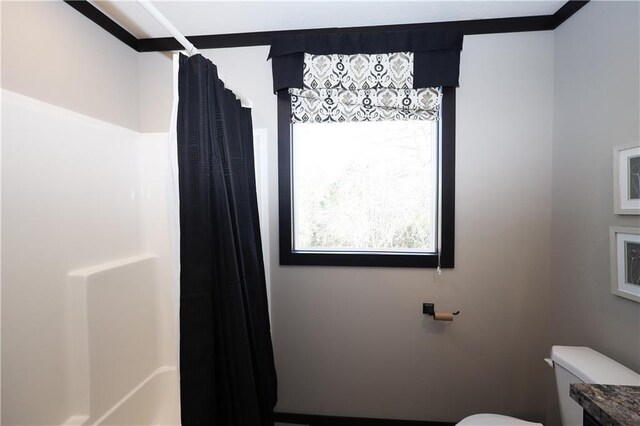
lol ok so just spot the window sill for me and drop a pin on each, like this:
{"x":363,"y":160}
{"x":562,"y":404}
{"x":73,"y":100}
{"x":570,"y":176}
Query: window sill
{"x":400,"y":260}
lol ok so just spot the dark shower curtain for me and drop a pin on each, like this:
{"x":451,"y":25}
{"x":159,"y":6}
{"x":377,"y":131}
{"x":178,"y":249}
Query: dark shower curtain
{"x":227,"y":373}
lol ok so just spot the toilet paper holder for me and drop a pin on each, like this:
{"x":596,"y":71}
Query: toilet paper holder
{"x":430,"y":309}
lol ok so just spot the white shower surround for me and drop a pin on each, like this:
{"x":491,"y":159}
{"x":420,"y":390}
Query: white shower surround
{"x":116,"y":311}
{"x":155,"y":401}
{"x":86,"y":229}
{"x":108,"y":204}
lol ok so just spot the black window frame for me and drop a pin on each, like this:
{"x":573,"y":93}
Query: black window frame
{"x":447,"y":150}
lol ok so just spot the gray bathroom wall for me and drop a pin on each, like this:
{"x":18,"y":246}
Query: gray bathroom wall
{"x":596,"y":107}
{"x":52,"y":53}
{"x":353,"y":341}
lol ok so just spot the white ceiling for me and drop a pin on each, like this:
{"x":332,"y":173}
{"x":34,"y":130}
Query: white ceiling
{"x":223,"y":17}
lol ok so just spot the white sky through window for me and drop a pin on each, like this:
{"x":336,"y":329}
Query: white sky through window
{"x":368,"y":186}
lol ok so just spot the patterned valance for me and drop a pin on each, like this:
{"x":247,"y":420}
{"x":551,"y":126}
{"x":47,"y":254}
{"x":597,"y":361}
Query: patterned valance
{"x":358,"y":72}
{"x":366,"y":76}
{"x":339,"y":88}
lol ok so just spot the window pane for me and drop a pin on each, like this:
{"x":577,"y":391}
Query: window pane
{"x":365,"y":186}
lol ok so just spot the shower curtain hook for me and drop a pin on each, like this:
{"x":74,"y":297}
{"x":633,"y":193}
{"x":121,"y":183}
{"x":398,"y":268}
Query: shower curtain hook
{"x":192,"y":51}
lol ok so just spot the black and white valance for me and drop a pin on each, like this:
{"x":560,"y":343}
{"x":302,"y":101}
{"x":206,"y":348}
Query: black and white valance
{"x":338,"y":88}
{"x":366,"y":76}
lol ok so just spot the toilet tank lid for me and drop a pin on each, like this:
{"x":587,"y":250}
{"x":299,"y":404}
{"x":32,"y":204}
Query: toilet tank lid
{"x":593,"y":367}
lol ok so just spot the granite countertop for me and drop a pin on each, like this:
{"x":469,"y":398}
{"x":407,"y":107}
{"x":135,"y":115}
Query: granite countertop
{"x":609,"y":404}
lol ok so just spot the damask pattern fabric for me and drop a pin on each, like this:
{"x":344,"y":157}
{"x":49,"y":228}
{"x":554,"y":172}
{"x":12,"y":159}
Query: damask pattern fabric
{"x":336,"y":105}
{"x":360,"y":87}
{"x":359,"y":72}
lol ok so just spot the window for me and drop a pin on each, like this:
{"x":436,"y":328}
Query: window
{"x":377,"y":190}
{"x":365,"y":187}
{"x":377,"y":193}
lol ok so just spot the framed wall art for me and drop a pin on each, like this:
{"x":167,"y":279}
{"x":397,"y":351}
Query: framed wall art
{"x":625,"y":262}
{"x":626,"y":179}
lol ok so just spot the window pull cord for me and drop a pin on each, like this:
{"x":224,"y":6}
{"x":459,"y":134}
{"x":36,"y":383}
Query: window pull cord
{"x":438,"y":270}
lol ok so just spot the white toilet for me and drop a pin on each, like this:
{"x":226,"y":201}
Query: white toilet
{"x":572,"y":364}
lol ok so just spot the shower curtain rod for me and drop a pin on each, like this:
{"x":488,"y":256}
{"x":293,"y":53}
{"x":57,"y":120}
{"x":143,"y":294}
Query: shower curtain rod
{"x":153,"y":11}
{"x":188,"y":46}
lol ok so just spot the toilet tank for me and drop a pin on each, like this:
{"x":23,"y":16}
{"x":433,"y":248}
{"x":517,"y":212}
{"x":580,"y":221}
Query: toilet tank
{"x":574,"y":364}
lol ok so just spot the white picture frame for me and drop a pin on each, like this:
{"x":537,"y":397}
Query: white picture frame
{"x":625,"y":262}
{"x":626,"y":179}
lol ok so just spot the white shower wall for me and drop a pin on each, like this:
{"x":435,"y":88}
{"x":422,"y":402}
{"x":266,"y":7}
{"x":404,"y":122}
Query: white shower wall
{"x":153,"y":169}
{"x":76,"y":192}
